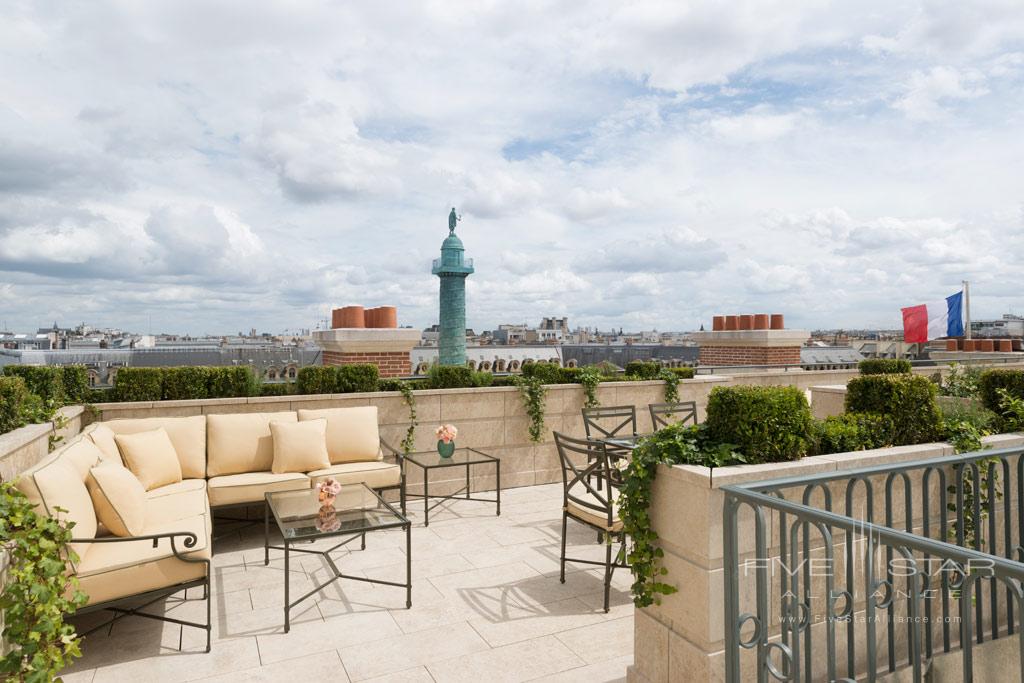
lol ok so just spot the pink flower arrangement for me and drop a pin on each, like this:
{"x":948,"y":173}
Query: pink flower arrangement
{"x":328,"y":489}
{"x":446,"y":433}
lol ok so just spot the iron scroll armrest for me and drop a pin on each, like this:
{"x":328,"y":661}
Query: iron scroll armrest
{"x":189,"y":541}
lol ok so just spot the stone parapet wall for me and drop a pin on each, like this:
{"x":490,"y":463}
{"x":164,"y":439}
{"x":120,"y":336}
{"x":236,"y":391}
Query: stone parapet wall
{"x":24,"y":447}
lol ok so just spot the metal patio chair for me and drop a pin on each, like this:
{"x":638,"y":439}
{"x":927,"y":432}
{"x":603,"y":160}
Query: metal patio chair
{"x":584,"y":503}
{"x":665,"y":414}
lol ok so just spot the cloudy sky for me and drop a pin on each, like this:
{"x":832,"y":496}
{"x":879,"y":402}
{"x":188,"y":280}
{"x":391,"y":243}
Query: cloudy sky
{"x":215,"y":166}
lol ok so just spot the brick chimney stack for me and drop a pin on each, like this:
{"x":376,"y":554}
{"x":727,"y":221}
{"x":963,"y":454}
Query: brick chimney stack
{"x":750,"y":339}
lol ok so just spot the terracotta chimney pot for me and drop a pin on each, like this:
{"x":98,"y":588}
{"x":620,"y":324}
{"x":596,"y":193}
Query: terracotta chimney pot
{"x":1005,"y":345}
{"x":387,"y":316}
{"x":777,"y":322}
{"x":746,"y":322}
{"x":353,"y":316}
{"x":732,"y":323}
{"x":951,"y":344}
{"x":718,"y":323}
{"x":987,"y":345}
{"x":761,"y":321}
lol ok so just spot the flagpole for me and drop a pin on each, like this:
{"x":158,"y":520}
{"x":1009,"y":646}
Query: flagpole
{"x":967,"y":308}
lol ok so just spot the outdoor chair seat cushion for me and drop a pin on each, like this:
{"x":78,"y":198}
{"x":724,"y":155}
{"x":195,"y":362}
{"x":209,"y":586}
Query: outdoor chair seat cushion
{"x":250,"y":486}
{"x":182,"y":500}
{"x":124,"y":568}
{"x":375,"y":474}
{"x":591,"y":516}
{"x":188,"y":434}
{"x":352,"y":433}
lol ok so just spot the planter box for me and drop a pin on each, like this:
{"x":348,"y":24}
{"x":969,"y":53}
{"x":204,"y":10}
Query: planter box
{"x":684,"y":637}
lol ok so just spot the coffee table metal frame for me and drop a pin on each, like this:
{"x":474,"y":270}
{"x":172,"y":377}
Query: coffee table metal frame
{"x":474,"y":457}
{"x":352,"y":533}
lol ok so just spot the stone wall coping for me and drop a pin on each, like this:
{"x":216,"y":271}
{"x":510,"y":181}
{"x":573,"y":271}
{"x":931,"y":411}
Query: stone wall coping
{"x":830,"y":388}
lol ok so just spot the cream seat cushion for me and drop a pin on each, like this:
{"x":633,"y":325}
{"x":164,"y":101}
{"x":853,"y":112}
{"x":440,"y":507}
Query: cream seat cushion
{"x":187,"y":498}
{"x":299,"y":446}
{"x":241,"y":442}
{"x":103,"y":437}
{"x":123,"y":568}
{"x":119,"y":499}
{"x":250,"y":486}
{"x":352,"y":433}
{"x":151,"y":457}
{"x":188,"y":434}
{"x":376,"y":474}
{"x":592,"y":516}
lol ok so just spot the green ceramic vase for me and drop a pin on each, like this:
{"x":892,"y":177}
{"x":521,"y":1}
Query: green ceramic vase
{"x":445,"y":450}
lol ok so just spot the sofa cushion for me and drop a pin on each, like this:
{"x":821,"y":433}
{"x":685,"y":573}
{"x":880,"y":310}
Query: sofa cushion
{"x":299,"y":446}
{"x":151,"y":457}
{"x":184,"y":499}
{"x":250,"y":486}
{"x":119,"y":499}
{"x":124,"y":568}
{"x":103,"y":437}
{"x":241,"y":442}
{"x":83,"y":455}
{"x":57,"y":483}
{"x":374,"y":474}
{"x":352,"y":433}
{"x":188,"y":434}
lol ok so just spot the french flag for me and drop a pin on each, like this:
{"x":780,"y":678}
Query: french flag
{"x":943,"y":318}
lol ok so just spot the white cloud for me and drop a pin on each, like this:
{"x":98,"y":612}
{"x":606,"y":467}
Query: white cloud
{"x":649,"y":164}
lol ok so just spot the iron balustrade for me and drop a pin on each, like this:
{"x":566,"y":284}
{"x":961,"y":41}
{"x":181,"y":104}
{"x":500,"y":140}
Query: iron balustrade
{"x":931,"y":574}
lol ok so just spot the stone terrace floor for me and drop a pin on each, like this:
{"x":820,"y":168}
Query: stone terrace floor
{"x":487,"y":606}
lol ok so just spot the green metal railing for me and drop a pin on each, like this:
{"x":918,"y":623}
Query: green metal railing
{"x":933,"y":570}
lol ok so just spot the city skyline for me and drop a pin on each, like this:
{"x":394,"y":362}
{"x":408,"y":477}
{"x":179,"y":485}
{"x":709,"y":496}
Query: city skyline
{"x":636,"y":166}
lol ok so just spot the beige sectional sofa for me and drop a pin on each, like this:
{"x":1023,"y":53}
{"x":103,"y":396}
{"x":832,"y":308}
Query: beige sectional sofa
{"x":225,"y":460}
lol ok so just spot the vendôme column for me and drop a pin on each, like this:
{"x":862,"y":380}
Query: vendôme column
{"x":452,"y":268}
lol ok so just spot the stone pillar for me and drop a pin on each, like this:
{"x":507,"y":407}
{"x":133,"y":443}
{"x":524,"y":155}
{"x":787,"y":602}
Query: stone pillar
{"x":453,"y":269}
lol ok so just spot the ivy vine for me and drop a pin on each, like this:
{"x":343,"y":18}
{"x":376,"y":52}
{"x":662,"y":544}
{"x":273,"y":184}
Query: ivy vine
{"x":410,"y":400}
{"x":589,"y":378}
{"x":533,"y":392}
{"x":36,"y":598}
{"x":674,"y":445}
{"x":671,"y":385}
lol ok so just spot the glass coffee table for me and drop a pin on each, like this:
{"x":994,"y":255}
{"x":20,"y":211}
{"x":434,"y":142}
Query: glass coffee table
{"x":301,"y":518}
{"x":463,"y":457}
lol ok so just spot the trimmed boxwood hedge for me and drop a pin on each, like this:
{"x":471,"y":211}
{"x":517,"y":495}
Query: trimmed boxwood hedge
{"x":765,"y":424}
{"x":884,"y":366}
{"x":642,"y":369}
{"x":991,"y":381}
{"x":139,"y":384}
{"x":907,"y":400}
{"x":45,"y":381}
{"x":76,"y":383}
{"x":14,"y":398}
{"x":183,"y":383}
{"x":337,"y":379}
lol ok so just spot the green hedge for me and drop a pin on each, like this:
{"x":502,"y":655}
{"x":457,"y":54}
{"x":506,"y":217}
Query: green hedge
{"x":277,"y":389}
{"x":356,"y":378}
{"x":183,"y":383}
{"x":337,"y":379}
{"x":14,"y":398}
{"x":884,"y":366}
{"x":643,"y":369}
{"x":316,"y":379}
{"x":683,"y":373}
{"x":45,"y":381}
{"x":139,"y":384}
{"x":907,"y":400}
{"x":766,"y":424}
{"x":992,"y":381}
{"x":852,"y":432}
{"x":76,"y":383}
{"x":449,"y":377}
